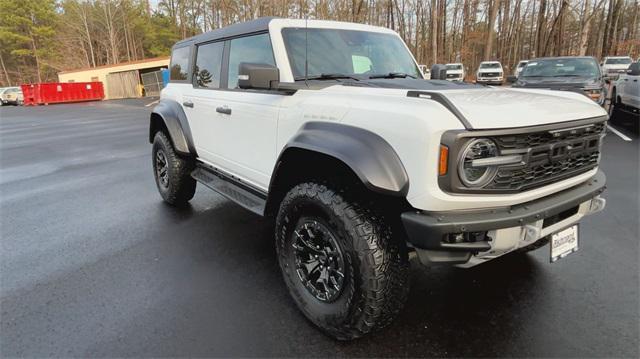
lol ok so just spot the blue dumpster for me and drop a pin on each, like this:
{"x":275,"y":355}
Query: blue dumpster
{"x":165,"y":77}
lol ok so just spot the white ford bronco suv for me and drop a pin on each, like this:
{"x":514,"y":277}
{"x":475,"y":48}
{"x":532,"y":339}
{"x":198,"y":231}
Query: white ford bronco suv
{"x":329,"y":129}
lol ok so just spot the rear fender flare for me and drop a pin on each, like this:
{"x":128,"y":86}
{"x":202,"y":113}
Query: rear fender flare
{"x":172,"y":116}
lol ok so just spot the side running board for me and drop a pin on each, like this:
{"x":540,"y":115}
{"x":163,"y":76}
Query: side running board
{"x":231,"y":187}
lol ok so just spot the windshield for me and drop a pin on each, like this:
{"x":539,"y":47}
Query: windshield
{"x":620,"y":61}
{"x":346,"y":52}
{"x":492,"y":65}
{"x":574,"y":67}
{"x":454,"y":67}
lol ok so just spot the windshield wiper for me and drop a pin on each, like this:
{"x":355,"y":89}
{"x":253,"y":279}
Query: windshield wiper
{"x":392,"y":75}
{"x":328,"y":77}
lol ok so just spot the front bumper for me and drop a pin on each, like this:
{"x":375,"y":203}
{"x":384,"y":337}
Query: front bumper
{"x":506,"y":229}
{"x":490,"y":81}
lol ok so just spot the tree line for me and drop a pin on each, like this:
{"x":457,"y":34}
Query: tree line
{"x":39,"y":38}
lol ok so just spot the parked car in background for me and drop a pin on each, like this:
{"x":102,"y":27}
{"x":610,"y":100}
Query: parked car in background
{"x":490,"y":73}
{"x":12,"y":96}
{"x":625,"y":92}
{"x":425,"y":71}
{"x":613,"y":66}
{"x":2,"y":90}
{"x":455,"y":72}
{"x":570,"y":73}
{"x":519,"y":67}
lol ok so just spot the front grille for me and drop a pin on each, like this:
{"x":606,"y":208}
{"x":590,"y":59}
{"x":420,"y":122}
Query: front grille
{"x":490,"y":74}
{"x":548,"y":156}
{"x":451,"y":76}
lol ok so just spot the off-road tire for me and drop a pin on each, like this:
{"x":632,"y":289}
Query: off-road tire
{"x":376,"y":281}
{"x":180,"y":186}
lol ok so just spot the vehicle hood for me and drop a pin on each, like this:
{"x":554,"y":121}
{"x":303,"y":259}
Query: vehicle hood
{"x":489,"y":71}
{"x":492,"y":107}
{"x":557,"y":83}
{"x":504,"y":108}
{"x":454,"y":71}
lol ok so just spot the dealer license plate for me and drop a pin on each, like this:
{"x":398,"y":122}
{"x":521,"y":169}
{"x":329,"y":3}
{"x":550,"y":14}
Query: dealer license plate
{"x":564,"y":243}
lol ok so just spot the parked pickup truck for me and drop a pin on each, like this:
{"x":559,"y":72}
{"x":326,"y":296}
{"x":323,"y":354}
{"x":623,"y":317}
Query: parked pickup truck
{"x":329,"y":130}
{"x":490,"y":73}
{"x":625,"y":92}
{"x":455,"y":72}
{"x":613,"y":66}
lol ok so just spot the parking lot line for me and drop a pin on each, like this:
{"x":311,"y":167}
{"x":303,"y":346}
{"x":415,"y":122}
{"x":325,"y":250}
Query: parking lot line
{"x":620,"y":134}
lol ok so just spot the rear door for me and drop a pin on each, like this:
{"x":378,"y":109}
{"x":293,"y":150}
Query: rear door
{"x":200,"y":98}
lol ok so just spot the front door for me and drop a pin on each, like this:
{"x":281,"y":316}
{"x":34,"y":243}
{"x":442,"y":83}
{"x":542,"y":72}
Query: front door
{"x":234,"y":130}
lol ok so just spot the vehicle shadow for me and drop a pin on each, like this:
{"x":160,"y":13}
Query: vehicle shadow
{"x":234,"y":279}
{"x":466,"y":312}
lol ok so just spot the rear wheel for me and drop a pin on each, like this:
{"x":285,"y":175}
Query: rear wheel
{"x":172,"y":172}
{"x":341,"y":264}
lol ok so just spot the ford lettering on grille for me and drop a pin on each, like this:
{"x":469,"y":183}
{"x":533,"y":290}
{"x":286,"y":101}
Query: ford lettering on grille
{"x":548,"y":156}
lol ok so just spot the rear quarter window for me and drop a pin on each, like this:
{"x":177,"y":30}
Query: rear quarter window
{"x":179,"y":64}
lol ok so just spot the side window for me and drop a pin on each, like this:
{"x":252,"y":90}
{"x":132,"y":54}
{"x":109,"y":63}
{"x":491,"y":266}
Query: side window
{"x":179,"y":64}
{"x":208,"y":65}
{"x":254,"y":49}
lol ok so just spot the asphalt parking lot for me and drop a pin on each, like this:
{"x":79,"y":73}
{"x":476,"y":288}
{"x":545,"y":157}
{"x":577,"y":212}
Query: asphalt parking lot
{"x":94,"y":264}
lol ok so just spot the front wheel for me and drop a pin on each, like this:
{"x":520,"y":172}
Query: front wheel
{"x":172,"y":172}
{"x":340,"y":262}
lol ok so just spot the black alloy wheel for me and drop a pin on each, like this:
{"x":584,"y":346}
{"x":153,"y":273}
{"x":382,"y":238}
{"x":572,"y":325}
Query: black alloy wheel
{"x":162,"y":168}
{"x":318,"y":259}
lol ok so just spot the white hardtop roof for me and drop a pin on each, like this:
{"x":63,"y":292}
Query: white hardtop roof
{"x":278,"y":23}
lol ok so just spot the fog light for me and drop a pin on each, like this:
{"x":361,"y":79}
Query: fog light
{"x":454,"y":238}
{"x":466,"y":237}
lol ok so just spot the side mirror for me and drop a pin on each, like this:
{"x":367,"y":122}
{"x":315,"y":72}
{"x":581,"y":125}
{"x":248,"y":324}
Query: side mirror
{"x":511,"y":79}
{"x":258,"y":76}
{"x":438,"y":72}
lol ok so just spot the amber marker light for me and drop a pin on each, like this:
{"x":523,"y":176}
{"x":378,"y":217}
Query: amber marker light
{"x":444,"y":160}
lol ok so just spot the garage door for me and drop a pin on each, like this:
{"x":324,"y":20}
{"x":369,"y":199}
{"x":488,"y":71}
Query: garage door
{"x":122,"y":84}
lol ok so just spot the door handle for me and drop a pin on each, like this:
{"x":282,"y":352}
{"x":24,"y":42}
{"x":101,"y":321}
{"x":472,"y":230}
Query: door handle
{"x":187,"y":104}
{"x":636,"y":80}
{"x":223,"y":109}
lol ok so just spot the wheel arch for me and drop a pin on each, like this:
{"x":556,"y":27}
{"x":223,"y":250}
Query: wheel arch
{"x":168,"y":116}
{"x":338,"y":152}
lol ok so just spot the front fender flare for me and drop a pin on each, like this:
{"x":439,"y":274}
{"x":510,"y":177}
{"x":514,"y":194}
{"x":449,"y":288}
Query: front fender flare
{"x":175,"y":121}
{"x":370,"y":156}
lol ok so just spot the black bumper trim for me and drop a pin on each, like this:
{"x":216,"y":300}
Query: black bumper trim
{"x":426,"y":229}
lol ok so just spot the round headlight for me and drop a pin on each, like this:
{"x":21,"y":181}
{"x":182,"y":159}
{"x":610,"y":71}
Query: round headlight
{"x":476,"y":175}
